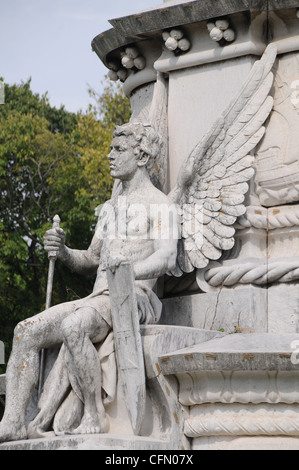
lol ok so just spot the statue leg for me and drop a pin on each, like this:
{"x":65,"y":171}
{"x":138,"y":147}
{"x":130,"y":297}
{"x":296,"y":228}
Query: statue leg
{"x":80,"y":330}
{"x":30,"y":336}
{"x":55,"y":390}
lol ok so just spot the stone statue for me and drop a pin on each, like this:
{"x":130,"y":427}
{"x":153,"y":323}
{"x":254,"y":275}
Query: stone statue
{"x":209,"y":196}
{"x":79,"y":324}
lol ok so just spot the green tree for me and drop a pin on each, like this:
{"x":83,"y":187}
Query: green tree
{"x":21,"y":98}
{"x":29,"y":153}
{"x":111,"y":107}
{"x":51,"y":161}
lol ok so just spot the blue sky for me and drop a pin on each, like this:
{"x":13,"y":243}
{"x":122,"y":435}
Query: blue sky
{"x":50,"y":41}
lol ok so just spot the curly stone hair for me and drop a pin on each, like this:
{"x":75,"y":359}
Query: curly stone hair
{"x":147,"y":139}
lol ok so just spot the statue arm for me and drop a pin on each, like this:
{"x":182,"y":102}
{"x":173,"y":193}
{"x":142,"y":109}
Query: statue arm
{"x":159,"y":263}
{"x":84,"y":262}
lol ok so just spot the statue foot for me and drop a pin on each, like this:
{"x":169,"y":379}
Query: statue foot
{"x":92,"y":425}
{"x":37,"y":432}
{"x":9,"y":432}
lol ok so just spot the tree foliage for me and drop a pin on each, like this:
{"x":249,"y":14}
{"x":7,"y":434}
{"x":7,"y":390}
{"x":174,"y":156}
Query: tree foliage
{"x":51,"y":161}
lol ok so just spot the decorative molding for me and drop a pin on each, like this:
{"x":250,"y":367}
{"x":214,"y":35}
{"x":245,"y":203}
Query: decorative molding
{"x":239,"y":421}
{"x":279,"y":222}
{"x":269,"y":219}
{"x":168,"y":63}
{"x":227,"y":387}
{"x":252,"y":273}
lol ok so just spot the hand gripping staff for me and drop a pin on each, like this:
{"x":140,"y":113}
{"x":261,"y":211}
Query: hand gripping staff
{"x":52,"y":255}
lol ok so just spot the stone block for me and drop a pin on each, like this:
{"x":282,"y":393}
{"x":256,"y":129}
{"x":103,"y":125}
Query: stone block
{"x":243,"y":309}
{"x":283,"y":308}
{"x":199,"y":85}
{"x":246,"y":443}
{"x":88,"y":442}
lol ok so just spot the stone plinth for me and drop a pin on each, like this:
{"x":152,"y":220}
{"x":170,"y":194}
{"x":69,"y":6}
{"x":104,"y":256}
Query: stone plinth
{"x":240,"y":390}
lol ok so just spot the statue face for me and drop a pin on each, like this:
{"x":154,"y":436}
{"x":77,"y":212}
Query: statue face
{"x":123,"y":160}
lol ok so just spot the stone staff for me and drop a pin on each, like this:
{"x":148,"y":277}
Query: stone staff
{"x":52,"y":255}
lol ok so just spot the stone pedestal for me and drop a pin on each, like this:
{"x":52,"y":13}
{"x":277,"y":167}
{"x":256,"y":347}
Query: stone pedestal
{"x":241,"y":391}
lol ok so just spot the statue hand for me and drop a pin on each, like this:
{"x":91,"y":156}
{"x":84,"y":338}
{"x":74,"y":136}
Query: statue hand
{"x":115,"y":261}
{"x":54,"y":240}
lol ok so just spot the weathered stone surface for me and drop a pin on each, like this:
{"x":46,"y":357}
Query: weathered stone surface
{"x":243,"y":384}
{"x":168,"y":414}
{"x":181,"y":13}
{"x":238,"y":385}
{"x":215,"y":390}
{"x":215,"y":386}
{"x":283,"y":309}
{"x":161,"y":339}
{"x":259,"y":351}
{"x":2,"y":385}
{"x":243,"y":309}
{"x":239,"y":420}
{"x":66,"y":397}
{"x":89,"y":442}
{"x":175,"y":13}
{"x":246,"y":443}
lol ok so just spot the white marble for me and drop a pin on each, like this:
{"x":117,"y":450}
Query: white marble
{"x":232,"y":171}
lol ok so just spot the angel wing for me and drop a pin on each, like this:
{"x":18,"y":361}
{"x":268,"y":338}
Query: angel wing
{"x":213,"y":181}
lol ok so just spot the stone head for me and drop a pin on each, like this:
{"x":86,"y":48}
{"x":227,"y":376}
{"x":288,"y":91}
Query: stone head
{"x":139,"y":140}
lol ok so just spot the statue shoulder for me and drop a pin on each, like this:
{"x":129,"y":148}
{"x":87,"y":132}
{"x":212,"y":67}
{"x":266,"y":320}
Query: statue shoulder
{"x":158,"y":197}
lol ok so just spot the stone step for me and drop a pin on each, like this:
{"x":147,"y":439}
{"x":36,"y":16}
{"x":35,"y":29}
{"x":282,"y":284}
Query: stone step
{"x":89,"y":442}
{"x":257,"y":351}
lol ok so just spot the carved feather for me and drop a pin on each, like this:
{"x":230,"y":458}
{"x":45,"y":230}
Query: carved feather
{"x":215,"y":176}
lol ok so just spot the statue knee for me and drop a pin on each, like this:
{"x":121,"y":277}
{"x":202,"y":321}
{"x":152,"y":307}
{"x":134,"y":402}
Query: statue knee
{"x":71,"y":331}
{"x":25,"y":334}
{"x":19,"y":331}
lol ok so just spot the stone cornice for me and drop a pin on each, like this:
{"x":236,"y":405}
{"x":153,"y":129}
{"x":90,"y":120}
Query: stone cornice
{"x":132,"y":28}
{"x":254,"y":352}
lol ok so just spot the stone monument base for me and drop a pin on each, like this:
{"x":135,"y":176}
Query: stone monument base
{"x":247,"y":443}
{"x":89,"y":442}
